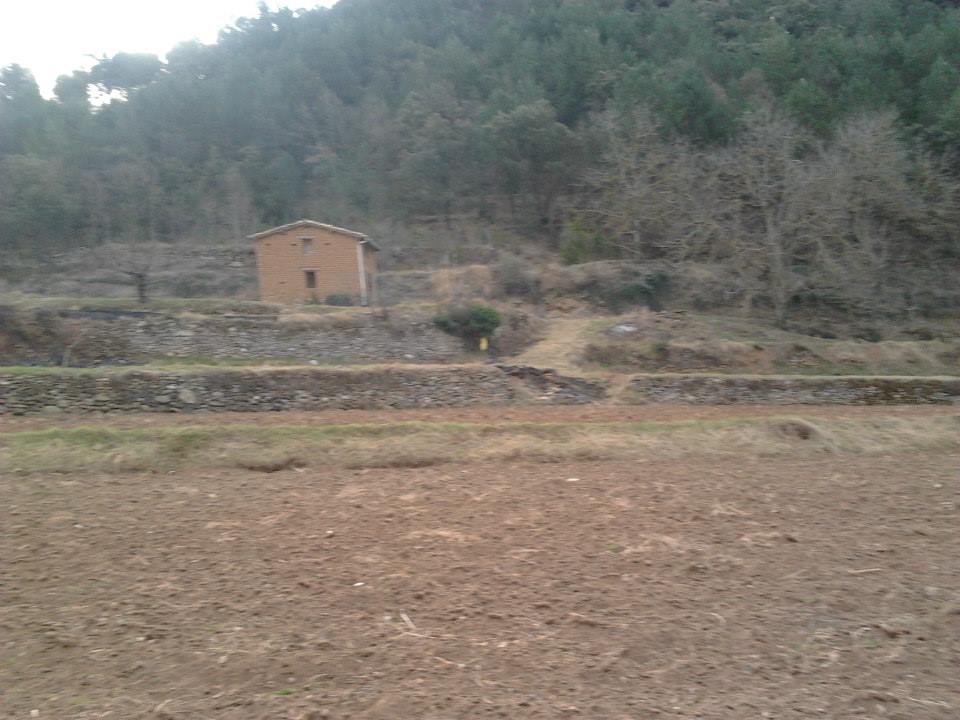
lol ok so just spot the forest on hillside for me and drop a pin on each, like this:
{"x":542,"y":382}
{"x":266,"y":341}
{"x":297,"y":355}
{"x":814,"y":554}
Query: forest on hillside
{"x":810,"y":146}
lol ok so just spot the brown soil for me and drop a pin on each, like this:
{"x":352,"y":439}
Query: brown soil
{"x":714,"y":588}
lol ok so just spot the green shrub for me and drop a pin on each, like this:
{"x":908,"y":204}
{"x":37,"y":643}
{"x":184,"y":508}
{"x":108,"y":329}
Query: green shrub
{"x":630,"y":294}
{"x":661,"y":349}
{"x":573,"y":250}
{"x":339,"y":300}
{"x":470,"y":322}
{"x":580,"y":245}
{"x":630,"y":290}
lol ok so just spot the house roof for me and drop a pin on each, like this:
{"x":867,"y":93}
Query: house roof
{"x":314,"y":224}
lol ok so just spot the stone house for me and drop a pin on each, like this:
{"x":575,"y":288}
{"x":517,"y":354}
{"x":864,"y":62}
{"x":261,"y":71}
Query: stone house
{"x":308,"y":261}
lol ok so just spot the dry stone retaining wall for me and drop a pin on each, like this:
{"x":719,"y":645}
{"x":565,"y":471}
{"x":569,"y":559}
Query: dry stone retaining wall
{"x":361,"y":339}
{"x":254,"y":390}
{"x":846,"y":390}
{"x":104,"y":337}
{"x":282,"y":389}
{"x":425,"y":387}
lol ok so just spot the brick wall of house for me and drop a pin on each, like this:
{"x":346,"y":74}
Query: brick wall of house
{"x":285,"y":258}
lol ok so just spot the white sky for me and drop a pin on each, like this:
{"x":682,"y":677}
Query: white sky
{"x":54,"y":37}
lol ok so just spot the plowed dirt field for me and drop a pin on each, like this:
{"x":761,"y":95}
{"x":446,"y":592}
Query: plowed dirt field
{"x":796,"y":586}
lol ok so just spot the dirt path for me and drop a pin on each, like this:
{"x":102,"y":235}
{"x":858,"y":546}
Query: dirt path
{"x":718,"y":588}
{"x":560,"y":349}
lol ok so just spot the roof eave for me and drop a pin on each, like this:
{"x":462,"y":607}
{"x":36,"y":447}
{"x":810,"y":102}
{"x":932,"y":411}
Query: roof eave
{"x":307,"y":223}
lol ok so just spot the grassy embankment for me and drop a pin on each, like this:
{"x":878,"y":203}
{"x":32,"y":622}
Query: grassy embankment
{"x":694,"y":342}
{"x":102,"y":449}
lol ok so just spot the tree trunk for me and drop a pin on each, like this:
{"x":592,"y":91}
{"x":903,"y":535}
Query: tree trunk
{"x":140,"y":281}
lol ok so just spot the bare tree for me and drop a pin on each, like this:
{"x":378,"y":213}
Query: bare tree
{"x":769,"y":193}
{"x":787,"y":215}
{"x":893,"y":212}
{"x":132,"y":265}
{"x":641,"y":194}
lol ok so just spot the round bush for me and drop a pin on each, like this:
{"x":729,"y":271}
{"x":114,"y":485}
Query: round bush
{"x":470,"y":322}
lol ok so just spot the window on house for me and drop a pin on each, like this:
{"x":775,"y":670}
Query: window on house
{"x":306,"y":245}
{"x":311,"y":279}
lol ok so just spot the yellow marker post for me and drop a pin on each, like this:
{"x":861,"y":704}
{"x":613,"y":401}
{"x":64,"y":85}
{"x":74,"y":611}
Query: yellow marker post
{"x":484,"y":344}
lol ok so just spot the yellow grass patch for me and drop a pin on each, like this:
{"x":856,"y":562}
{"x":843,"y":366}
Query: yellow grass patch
{"x":422,"y":444}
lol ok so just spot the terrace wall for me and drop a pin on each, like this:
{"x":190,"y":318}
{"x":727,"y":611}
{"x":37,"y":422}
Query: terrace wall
{"x":109,"y":337}
{"x":792,"y":390}
{"x":285,"y":389}
{"x":426,"y":386}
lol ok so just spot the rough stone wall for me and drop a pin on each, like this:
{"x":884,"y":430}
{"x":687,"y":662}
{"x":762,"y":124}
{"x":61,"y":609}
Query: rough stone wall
{"x":425,"y":387}
{"x":123,"y":338}
{"x":357,"y":339}
{"x":847,"y":390}
{"x":254,"y":390}
{"x":287,"y":389}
